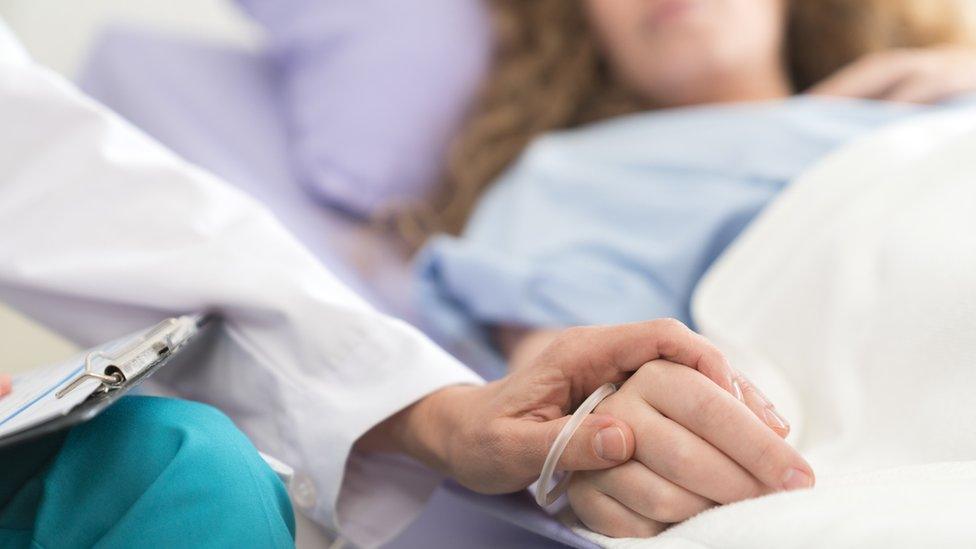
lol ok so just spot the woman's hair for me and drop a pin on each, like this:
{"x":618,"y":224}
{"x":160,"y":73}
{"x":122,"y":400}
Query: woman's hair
{"x":549,"y":74}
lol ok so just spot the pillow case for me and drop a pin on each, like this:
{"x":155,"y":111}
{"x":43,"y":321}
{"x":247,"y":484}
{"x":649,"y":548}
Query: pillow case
{"x":372,"y":90}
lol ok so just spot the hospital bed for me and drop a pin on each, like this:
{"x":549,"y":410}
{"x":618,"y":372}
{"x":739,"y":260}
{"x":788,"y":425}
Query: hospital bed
{"x":215,"y":106}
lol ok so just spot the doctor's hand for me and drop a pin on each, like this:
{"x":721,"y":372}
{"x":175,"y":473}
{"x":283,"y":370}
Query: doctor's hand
{"x":928,"y":75}
{"x":495,"y":438}
{"x":696,"y":446}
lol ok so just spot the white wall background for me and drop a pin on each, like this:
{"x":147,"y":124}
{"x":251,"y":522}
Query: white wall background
{"x":58,"y":32}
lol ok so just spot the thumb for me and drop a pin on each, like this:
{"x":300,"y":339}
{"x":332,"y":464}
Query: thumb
{"x":601,"y":442}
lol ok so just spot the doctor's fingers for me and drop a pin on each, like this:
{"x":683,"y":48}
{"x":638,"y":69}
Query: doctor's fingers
{"x":594,"y":355}
{"x":681,"y":457}
{"x":605,"y":515}
{"x":724,"y":423}
{"x":646,"y":493}
{"x":601,"y":441}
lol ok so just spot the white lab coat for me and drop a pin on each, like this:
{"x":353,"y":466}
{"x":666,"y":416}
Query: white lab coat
{"x":105,"y":232}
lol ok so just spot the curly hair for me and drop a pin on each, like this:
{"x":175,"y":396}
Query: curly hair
{"x":549,"y":74}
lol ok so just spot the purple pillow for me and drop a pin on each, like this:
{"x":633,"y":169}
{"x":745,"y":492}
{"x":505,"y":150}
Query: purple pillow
{"x":373,"y":90}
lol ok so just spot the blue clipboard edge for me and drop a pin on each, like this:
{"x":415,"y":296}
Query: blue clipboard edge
{"x":99,"y":401}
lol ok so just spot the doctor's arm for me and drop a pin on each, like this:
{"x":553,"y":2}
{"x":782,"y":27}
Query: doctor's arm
{"x":108,"y":233}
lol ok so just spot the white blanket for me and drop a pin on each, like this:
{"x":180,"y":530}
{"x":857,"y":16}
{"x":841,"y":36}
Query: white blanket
{"x":853,"y":301}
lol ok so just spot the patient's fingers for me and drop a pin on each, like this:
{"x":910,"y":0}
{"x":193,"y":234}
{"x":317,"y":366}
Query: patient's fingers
{"x":647,"y":493}
{"x":680,"y":456}
{"x":761,"y":406}
{"x":605,"y":515}
{"x":720,"y":420}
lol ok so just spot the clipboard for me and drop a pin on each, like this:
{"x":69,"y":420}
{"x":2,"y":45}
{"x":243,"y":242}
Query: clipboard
{"x":116,"y":369}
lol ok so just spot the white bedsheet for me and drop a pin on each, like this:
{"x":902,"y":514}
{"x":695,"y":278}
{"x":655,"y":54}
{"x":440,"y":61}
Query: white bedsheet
{"x":853,"y":301}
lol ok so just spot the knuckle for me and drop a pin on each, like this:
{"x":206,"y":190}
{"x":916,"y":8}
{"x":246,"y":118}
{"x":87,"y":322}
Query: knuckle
{"x":681,"y":455}
{"x":563,"y":342}
{"x":674,"y":462}
{"x":710,"y":408}
{"x":650,"y":372}
{"x":669,"y":324}
{"x":575,"y":333}
{"x":569,"y":340}
{"x":580,"y":490}
{"x":665,"y":508}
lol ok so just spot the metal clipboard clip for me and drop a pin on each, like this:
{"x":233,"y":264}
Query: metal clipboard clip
{"x":154,"y":344}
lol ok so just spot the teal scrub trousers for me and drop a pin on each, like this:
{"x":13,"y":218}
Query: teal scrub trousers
{"x":147,"y":472}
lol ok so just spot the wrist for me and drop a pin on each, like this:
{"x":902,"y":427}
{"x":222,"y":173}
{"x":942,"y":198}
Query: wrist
{"x":426,"y":430}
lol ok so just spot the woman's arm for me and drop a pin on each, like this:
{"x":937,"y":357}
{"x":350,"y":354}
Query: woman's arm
{"x":929,"y":75}
{"x":116,"y":233}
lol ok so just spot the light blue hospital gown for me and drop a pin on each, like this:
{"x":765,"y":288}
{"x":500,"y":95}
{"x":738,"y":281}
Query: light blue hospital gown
{"x":618,"y":221}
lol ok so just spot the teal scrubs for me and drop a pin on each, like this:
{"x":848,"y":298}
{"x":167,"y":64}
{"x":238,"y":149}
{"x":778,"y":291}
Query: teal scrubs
{"x":148,"y":472}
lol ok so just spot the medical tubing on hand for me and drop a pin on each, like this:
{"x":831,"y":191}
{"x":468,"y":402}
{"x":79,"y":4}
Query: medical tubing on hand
{"x":544,"y":496}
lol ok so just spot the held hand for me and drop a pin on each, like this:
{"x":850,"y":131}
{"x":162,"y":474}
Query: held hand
{"x":697,"y":446}
{"x":4,"y":384}
{"x":925,"y":76}
{"x":495,"y":438}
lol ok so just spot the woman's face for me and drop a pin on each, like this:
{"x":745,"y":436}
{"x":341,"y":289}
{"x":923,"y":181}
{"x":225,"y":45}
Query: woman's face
{"x":683,"y":52}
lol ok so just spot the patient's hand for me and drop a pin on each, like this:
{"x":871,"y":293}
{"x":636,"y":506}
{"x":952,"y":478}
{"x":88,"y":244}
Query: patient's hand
{"x":4,"y":384}
{"x":696,"y":446}
{"x":928,"y":75}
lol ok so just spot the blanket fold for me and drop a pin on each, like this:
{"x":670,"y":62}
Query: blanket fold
{"x":852,"y":301}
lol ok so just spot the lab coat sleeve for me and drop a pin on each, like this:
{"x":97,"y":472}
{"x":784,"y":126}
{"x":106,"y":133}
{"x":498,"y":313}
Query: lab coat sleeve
{"x":105,"y":231}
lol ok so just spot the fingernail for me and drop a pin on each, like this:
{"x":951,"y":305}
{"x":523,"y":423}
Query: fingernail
{"x":738,"y":391}
{"x":610,"y":444}
{"x":774,"y":420}
{"x":797,"y":479}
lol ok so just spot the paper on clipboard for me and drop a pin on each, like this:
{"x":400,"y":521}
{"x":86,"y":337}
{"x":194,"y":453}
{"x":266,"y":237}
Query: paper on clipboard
{"x":33,"y":399}
{"x":45,"y":393}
